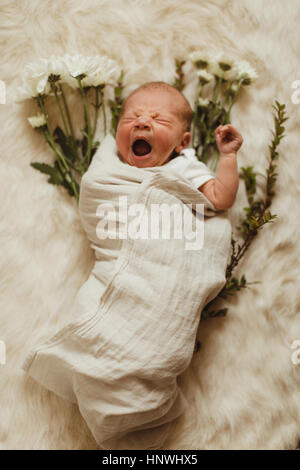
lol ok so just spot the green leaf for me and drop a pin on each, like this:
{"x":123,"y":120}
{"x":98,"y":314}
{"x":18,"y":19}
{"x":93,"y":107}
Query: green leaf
{"x":67,"y":144}
{"x":53,"y":171}
{"x":278,"y":104}
{"x":213,"y":313}
{"x":118,"y":92}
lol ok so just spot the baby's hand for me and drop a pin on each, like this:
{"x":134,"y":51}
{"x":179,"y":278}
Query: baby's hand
{"x":228,"y":139}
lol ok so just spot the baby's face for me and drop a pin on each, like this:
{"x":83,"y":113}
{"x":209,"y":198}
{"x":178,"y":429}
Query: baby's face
{"x":150,"y":129}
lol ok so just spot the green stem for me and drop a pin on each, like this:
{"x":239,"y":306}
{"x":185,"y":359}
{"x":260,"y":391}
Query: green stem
{"x":201,"y":127}
{"x":196,"y":114}
{"x":60,"y":157}
{"x":50,"y":142}
{"x":204,"y":153}
{"x":88,"y":119}
{"x":55,"y":148}
{"x":194,"y":123}
{"x":96,"y":111}
{"x":103,"y":111}
{"x":67,"y":111}
{"x":74,"y":143}
{"x":227,"y":118}
{"x":217,"y":88}
{"x":227,"y":94}
{"x":54,"y":89}
{"x":233,"y":100}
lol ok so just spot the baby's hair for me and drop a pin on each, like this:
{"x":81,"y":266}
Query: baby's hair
{"x":186,"y":110}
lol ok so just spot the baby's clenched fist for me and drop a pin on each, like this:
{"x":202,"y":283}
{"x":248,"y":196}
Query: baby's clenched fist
{"x":228,"y":139}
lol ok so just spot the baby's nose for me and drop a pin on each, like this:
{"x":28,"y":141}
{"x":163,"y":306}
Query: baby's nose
{"x":142,"y":122}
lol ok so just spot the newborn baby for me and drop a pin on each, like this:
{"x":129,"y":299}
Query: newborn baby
{"x":135,"y":319}
{"x":154,"y":128}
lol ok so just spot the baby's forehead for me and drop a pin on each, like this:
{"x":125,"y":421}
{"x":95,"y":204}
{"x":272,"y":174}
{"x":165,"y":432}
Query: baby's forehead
{"x":152,"y":99}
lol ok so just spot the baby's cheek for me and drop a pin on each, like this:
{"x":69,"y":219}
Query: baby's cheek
{"x":120,"y":137}
{"x":168,"y":148}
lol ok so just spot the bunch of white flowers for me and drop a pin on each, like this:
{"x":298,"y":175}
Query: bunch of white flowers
{"x":224,"y":67}
{"x":94,"y":71}
{"x":213,"y":104}
{"x":46,"y":77}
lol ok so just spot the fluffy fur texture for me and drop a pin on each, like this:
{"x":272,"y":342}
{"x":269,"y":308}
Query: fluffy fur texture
{"x":242,"y":386}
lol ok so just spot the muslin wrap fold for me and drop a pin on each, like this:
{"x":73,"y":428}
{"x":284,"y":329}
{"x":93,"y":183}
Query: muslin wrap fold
{"x":136,"y":317}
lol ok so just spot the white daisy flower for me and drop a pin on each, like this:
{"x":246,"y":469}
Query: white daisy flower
{"x":204,"y":76}
{"x":106,"y":72}
{"x":37,"y":121}
{"x":203,"y":102}
{"x":35,"y":78}
{"x":77,"y":64}
{"x":98,"y":70}
{"x":25,"y":92}
{"x":223,"y":66}
{"x":225,"y":62}
{"x":200,"y":59}
{"x":245,"y":72}
{"x":36,"y":75}
{"x":234,"y":87}
{"x":56,"y":66}
{"x":231,"y":74}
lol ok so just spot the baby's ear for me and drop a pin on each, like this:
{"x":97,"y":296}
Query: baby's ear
{"x":184,"y":142}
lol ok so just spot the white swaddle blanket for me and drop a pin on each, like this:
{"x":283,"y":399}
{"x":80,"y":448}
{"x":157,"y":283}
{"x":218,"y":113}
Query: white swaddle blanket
{"x":136,"y":317}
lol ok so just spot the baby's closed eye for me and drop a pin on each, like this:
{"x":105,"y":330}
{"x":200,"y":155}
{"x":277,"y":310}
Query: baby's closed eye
{"x":162,"y":121}
{"x":127,"y":118}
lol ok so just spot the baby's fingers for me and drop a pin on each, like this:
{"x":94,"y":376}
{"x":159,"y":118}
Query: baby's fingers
{"x":220,"y":131}
{"x":229,"y":132}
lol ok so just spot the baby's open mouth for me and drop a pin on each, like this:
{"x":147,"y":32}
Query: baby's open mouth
{"x":141,"y":147}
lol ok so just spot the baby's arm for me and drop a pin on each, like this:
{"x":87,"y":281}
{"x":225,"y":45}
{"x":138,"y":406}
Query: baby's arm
{"x":221,"y":191}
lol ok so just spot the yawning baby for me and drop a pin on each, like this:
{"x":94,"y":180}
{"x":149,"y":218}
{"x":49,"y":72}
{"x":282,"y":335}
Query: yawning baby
{"x":155,"y":127}
{"x":135,"y":319}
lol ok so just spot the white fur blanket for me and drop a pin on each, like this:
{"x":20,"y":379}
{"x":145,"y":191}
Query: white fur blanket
{"x":242,"y":388}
